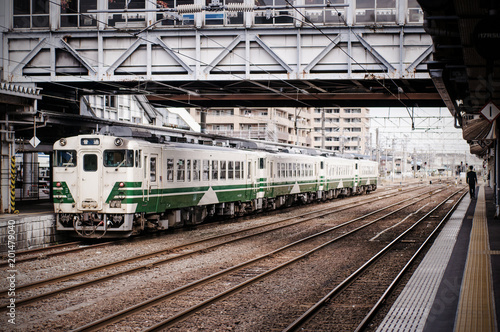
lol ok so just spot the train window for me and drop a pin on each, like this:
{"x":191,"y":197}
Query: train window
{"x":90,"y":163}
{"x":188,"y":170}
{"x":137,"y":158}
{"x":215,"y":170}
{"x":356,"y":166}
{"x":206,"y":170}
{"x":181,"y":170}
{"x":322,"y":165}
{"x":170,"y":170}
{"x":196,"y":170}
{"x":294,"y":170}
{"x":118,"y":158}
{"x":222,"y":169}
{"x":230,"y":170}
{"x":249,"y":172}
{"x":262,"y":163}
{"x":237,"y":170}
{"x":283,"y":170}
{"x":279,"y":170}
{"x":152,"y":169}
{"x":65,"y":158}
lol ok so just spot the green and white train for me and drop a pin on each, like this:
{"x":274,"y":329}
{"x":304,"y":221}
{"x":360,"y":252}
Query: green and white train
{"x":108,"y":186}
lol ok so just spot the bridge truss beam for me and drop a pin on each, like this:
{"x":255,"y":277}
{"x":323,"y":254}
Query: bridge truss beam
{"x":289,"y":66}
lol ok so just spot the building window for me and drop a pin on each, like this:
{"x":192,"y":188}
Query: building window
{"x":325,"y":15}
{"x":273,"y":16}
{"x":74,"y":13}
{"x":31,"y":13}
{"x":415,"y":13}
{"x":376,"y":11}
{"x":224,"y":17}
{"x":187,"y":19}
{"x":126,"y":19}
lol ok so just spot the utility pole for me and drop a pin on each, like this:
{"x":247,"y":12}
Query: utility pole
{"x":414,"y":164}
{"x":377,"y":146}
{"x":403,"y":170}
{"x":393,"y":158}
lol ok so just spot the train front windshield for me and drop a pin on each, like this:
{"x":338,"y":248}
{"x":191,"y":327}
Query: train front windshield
{"x":65,"y":158}
{"x":122,"y":158}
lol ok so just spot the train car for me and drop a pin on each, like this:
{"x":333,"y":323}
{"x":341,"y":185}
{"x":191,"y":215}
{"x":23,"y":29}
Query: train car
{"x":108,"y":186}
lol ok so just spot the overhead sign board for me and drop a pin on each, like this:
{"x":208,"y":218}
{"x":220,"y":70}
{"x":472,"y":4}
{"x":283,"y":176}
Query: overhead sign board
{"x":34,"y":141}
{"x":490,"y":112}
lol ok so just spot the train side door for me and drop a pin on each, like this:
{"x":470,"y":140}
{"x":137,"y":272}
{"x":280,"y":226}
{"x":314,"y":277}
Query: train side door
{"x":356,"y":175}
{"x":151,"y":176}
{"x":90,"y":169}
{"x":154,"y":176}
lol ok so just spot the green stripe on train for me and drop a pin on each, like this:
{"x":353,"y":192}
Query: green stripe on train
{"x":174,"y":198}
{"x":61,"y":194}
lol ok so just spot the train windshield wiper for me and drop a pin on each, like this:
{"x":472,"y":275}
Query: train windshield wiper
{"x":120,"y":164}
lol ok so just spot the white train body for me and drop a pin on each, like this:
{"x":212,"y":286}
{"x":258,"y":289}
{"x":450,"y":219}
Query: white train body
{"x":106,"y":186}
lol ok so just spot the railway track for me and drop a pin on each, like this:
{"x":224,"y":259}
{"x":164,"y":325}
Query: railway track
{"x":327,"y":307}
{"x":242,"y":271}
{"x":261,"y":229}
{"x":77,"y":246}
{"x":61,"y":249}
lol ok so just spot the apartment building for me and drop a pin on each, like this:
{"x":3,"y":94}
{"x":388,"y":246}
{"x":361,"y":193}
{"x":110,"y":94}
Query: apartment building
{"x":337,"y":129}
{"x":344,"y":130}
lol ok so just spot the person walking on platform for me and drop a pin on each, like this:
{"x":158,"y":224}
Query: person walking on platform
{"x":472,"y":180}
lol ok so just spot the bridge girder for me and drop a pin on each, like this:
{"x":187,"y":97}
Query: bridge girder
{"x":258,"y":67}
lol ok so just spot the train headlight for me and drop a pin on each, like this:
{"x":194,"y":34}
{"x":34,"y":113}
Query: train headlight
{"x":118,"y":141}
{"x":115,"y":204}
{"x":62,"y":141}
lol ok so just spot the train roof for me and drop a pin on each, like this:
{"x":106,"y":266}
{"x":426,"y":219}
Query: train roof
{"x":233,"y":144}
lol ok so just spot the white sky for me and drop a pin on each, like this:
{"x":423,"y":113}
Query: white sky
{"x":434,"y":130}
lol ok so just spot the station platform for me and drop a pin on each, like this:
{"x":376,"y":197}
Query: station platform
{"x":457,"y":284}
{"x":33,"y":227}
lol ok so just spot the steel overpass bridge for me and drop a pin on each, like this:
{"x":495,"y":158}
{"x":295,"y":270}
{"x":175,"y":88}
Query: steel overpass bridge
{"x":309,"y":53}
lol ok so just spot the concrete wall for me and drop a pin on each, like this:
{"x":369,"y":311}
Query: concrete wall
{"x":29,"y":231}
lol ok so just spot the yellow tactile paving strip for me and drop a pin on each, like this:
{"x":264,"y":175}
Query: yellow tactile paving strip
{"x":476,"y":310}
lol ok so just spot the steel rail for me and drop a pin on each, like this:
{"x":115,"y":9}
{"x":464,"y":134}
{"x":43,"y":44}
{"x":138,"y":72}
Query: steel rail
{"x":186,"y":313}
{"x":163,"y":251}
{"x":142,"y":306}
{"x":21,"y":302}
{"x":306,"y":316}
{"x":401,"y":273}
{"x":58,"y":253}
